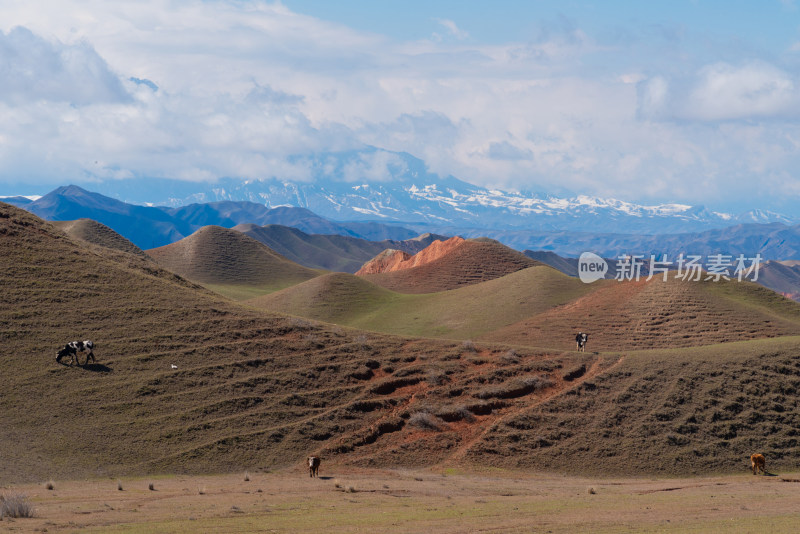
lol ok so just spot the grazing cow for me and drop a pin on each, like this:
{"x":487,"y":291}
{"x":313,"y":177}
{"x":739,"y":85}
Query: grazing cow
{"x":88,"y":346}
{"x":580,"y":341}
{"x":757,"y":462}
{"x":313,"y":466}
{"x":72,"y":349}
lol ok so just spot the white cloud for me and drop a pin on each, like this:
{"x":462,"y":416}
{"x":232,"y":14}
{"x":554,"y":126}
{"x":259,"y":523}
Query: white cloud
{"x":453,"y":29}
{"x":33,"y":69}
{"x":721,"y":92}
{"x":201,"y":90}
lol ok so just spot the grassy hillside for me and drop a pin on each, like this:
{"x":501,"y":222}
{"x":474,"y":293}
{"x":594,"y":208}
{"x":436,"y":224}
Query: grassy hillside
{"x":699,"y":410}
{"x":657,"y":314}
{"x":474,"y":261}
{"x":254,"y":390}
{"x":97,"y":234}
{"x":462,"y":313}
{"x":230,"y":263}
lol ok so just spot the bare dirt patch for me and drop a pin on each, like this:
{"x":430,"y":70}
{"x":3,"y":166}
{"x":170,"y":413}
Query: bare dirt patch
{"x":347,"y":500}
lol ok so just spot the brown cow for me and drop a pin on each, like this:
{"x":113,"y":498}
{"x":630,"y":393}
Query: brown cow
{"x":757,"y":462}
{"x":313,"y":466}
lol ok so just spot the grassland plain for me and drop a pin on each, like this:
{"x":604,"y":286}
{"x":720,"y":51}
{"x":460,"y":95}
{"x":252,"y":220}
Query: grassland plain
{"x":349,"y":500}
{"x":253,"y":390}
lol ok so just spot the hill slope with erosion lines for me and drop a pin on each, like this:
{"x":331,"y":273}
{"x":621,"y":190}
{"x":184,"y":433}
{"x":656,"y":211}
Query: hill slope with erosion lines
{"x":656,"y":314}
{"x":97,"y":234}
{"x":470,"y":262}
{"x":254,"y":390}
{"x":220,"y":257}
{"x":671,"y":411}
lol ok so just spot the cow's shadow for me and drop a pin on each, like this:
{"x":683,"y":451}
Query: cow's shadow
{"x":97,"y":368}
{"x":325,"y":478}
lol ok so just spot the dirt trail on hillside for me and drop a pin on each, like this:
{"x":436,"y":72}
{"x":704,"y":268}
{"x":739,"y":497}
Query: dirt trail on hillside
{"x":491,"y":422}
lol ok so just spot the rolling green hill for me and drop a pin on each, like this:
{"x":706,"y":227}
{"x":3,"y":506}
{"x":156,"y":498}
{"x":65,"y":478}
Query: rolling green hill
{"x":462,"y":313}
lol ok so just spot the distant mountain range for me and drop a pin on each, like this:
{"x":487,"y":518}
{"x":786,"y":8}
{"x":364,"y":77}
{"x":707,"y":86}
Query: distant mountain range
{"x":393,"y":187}
{"x":319,"y":243}
{"x":773,"y":241}
{"x":150,"y":227}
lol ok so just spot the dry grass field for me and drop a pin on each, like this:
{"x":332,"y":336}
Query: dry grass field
{"x":347,"y":500}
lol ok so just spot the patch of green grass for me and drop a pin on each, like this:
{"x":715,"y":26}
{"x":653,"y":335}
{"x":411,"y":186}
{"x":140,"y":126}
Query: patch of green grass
{"x":462,"y":313}
{"x":245,"y":292}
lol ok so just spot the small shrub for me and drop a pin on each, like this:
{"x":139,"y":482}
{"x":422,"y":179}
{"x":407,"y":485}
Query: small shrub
{"x":151,"y":487}
{"x":469,"y":346}
{"x":299,"y":324}
{"x":16,"y":506}
{"x":425,"y":420}
{"x":510,"y":357}
{"x":50,"y":485}
{"x":436,"y":378}
{"x":246,"y":476}
{"x":201,"y":490}
{"x":350,"y":489}
{"x":592,"y":491}
{"x":455,"y":413}
{"x":515,"y":388}
{"x":119,"y":485}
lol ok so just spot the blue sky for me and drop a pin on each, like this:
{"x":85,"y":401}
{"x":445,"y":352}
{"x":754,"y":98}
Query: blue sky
{"x":766,"y":25}
{"x":649,"y":102}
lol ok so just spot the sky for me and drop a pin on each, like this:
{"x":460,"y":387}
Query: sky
{"x":696,"y":102}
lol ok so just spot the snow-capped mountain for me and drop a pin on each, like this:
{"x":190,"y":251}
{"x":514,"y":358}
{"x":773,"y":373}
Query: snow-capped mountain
{"x":374,"y":184}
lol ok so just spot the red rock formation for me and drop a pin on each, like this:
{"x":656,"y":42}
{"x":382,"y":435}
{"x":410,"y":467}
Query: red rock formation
{"x":383,"y":262}
{"x":395,"y":260}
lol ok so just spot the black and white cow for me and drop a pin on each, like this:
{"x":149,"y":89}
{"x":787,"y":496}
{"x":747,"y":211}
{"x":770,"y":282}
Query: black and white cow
{"x":580,"y":341}
{"x":72,"y":349}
